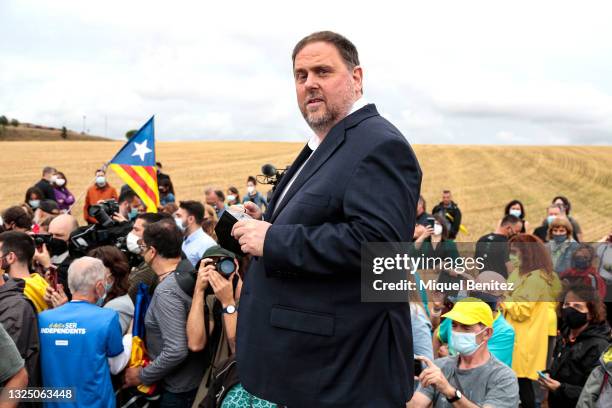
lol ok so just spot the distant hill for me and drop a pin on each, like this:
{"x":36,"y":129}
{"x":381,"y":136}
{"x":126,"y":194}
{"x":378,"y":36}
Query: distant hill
{"x":31,"y":132}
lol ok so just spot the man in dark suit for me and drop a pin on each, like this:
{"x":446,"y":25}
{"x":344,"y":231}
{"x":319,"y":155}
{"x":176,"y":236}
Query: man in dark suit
{"x":304,"y":337}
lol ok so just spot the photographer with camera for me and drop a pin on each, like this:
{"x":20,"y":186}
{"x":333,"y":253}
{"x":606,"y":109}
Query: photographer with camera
{"x":177,"y":371}
{"x":189,"y":218}
{"x":142,"y":273}
{"x":130,"y":205}
{"x":52,"y":254}
{"x":16,"y":252}
{"x":100,"y":191}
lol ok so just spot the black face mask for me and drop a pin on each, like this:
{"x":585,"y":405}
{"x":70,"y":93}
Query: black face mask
{"x":573,"y":318}
{"x":57,"y":247}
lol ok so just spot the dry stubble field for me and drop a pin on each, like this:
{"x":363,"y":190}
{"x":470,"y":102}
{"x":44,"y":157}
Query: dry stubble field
{"x":483,"y":178}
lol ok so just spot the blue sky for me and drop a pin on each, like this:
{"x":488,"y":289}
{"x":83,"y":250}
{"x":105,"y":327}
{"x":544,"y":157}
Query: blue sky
{"x":469,"y":72}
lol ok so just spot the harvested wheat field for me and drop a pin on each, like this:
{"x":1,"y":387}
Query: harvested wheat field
{"x":482,"y":178}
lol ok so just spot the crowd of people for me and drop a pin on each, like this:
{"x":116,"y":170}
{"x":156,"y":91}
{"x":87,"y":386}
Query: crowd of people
{"x":70,"y":318}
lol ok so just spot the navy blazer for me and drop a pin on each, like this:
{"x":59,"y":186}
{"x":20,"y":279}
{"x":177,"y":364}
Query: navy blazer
{"x":304,"y":337}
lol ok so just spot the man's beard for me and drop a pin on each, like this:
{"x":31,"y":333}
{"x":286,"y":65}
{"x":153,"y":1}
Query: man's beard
{"x":323,"y":122}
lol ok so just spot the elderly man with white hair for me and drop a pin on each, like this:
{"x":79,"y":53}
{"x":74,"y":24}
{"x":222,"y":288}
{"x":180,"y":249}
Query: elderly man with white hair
{"x":81,"y":343}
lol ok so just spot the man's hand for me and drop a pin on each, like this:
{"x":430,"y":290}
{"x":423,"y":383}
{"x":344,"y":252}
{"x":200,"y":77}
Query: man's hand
{"x":55,"y":298}
{"x":549,"y":383}
{"x":206,"y":267}
{"x":251,"y":235}
{"x":433,"y":375}
{"x":253,"y":210}
{"x":42,"y":257}
{"x":119,"y":218}
{"x":132,"y":377}
{"x":224,"y":291}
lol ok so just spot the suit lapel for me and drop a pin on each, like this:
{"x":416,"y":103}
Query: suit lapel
{"x":286,"y":177}
{"x":326,"y":149}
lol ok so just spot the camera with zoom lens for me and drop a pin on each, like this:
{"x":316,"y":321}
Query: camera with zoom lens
{"x":225,"y":266}
{"x":103,"y":212}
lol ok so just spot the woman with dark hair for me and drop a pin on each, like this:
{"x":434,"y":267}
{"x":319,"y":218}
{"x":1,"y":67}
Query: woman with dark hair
{"x":116,"y":285}
{"x":585,"y":334}
{"x":530,"y":309}
{"x":562,"y":200}
{"x":33,"y":197}
{"x":434,"y":242}
{"x":63,"y":196}
{"x":233,"y":196}
{"x":516,"y":208}
{"x":166,"y":191}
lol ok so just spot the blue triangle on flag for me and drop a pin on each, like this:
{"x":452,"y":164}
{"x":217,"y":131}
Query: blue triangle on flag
{"x":140,"y":149}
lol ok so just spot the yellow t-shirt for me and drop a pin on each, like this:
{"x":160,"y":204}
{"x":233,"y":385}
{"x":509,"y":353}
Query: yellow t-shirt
{"x":35,"y":289}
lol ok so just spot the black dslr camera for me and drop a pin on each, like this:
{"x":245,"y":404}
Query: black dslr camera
{"x":103,"y":212}
{"x":224,"y":265}
{"x":42,"y":239}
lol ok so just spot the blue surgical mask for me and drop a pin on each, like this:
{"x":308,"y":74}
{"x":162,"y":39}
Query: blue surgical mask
{"x":34,"y":203}
{"x":133,"y":214}
{"x":559,"y":238}
{"x":107,"y":287}
{"x":550,"y":219}
{"x":465,"y":343}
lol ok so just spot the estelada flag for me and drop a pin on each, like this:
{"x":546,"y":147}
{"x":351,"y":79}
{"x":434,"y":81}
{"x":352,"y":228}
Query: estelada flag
{"x":139,"y":356}
{"x":135,"y":164}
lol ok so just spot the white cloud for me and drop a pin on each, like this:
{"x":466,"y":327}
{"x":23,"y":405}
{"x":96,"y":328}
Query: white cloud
{"x":456,"y":73}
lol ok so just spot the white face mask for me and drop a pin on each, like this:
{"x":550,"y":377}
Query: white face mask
{"x":131,"y":242}
{"x":231,"y":197}
{"x":180,"y":224}
{"x":516,"y":213}
{"x":100,"y":180}
{"x":251,"y":189}
{"x":60,"y":182}
{"x":437,"y":229}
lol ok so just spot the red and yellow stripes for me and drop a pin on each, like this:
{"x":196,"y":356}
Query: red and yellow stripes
{"x":143,"y":180}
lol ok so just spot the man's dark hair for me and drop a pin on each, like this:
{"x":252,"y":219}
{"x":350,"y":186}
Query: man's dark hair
{"x":510,"y":219}
{"x":18,"y":216}
{"x":446,"y":191}
{"x":165,"y":237}
{"x":220,"y":195}
{"x":127,"y":195}
{"x":347,"y":49}
{"x":252,"y":179}
{"x":194,"y":208}
{"x":150,"y":218}
{"x":48,"y":170}
{"x":20,"y":243}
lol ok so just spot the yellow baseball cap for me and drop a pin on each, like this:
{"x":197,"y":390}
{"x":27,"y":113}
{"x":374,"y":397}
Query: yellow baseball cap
{"x":470,"y":311}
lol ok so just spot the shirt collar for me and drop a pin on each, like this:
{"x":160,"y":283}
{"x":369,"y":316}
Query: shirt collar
{"x":315,"y":140}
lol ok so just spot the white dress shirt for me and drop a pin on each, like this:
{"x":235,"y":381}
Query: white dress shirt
{"x":313,"y":144}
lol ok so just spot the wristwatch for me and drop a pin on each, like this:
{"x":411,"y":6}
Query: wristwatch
{"x":230,"y":309}
{"x":457,"y":396}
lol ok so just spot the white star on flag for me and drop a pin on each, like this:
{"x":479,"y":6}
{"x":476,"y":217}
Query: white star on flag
{"x":141,"y":150}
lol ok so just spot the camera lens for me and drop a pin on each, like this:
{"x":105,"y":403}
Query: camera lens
{"x":226,"y":266}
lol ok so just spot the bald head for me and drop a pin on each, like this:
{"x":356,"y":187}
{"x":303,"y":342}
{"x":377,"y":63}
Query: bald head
{"x":62,"y":226}
{"x":492,"y":277}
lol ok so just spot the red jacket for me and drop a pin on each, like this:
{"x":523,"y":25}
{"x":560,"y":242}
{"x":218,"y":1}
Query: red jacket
{"x":589,"y":277}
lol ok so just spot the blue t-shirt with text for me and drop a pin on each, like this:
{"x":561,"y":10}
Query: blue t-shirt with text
{"x":76,"y":340}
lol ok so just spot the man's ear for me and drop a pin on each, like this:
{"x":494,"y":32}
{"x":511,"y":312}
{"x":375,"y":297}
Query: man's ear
{"x":357,"y":75}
